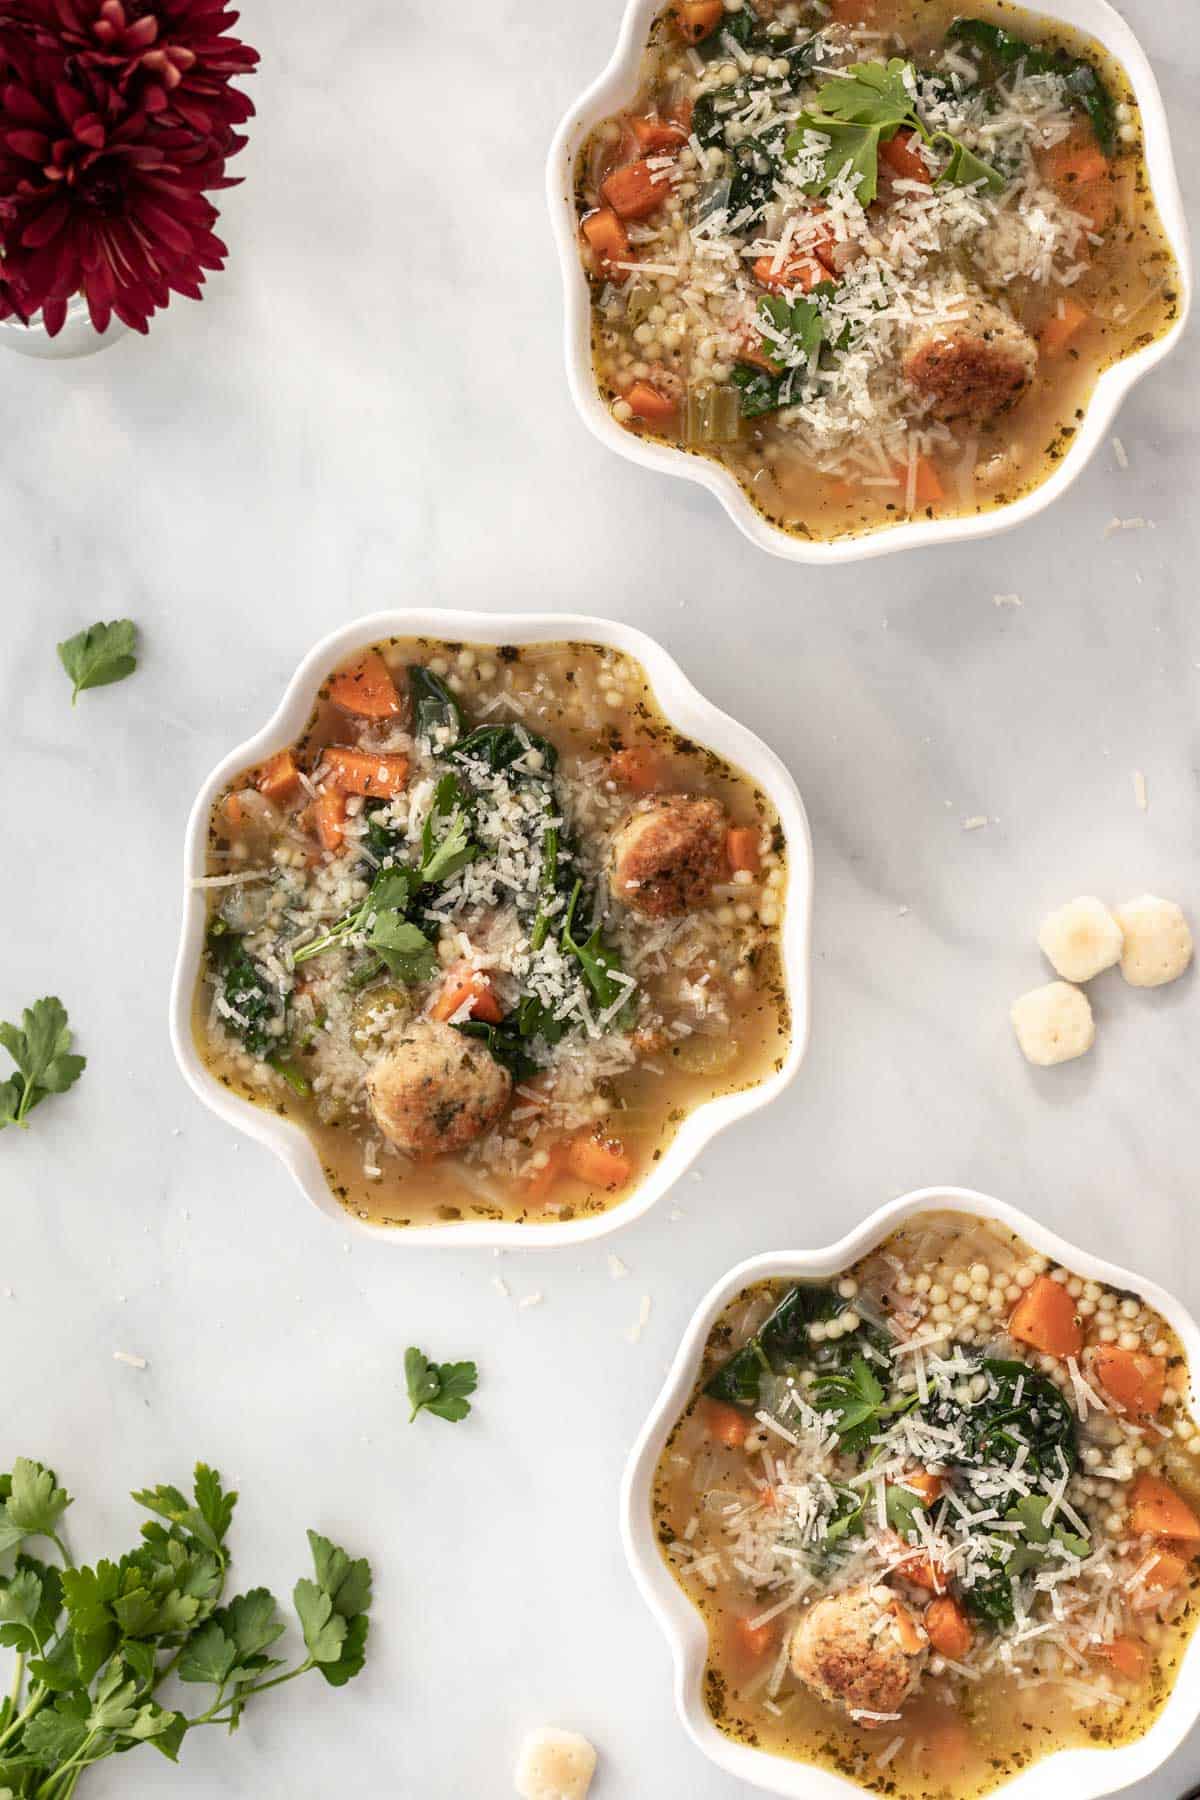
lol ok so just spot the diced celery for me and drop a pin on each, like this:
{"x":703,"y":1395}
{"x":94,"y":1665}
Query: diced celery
{"x":713,"y":413}
{"x":638,"y":303}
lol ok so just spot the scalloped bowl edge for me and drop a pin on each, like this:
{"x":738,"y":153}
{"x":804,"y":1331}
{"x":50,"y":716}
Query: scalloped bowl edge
{"x":617,"y":85}
{"x":1083,"y":1773}
{"x":689,"y":712}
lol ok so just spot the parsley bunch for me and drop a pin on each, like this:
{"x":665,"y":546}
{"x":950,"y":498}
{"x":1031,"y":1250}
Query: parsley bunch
{"x":41,"y":1049}
{"x":866,"y":107}
{"x":95,"y":1646}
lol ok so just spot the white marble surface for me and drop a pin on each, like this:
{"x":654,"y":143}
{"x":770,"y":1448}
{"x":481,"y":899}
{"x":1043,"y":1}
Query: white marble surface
{"x":368,"y":409}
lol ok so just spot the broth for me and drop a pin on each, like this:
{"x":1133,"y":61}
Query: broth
{"x":912,"y":334}
{"x":582,"y":1030}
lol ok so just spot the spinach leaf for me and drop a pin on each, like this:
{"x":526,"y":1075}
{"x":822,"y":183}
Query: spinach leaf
{"x":498,"y":747}
{"x":760,"y":392}
{"x":254,"y":1004}
{"x":1002,"y":49}
{"x":783,"y":1337}
{"x":435,"y":707}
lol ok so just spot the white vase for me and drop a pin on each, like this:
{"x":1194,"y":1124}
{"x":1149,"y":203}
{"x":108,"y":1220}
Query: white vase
{"x":78,"y":336}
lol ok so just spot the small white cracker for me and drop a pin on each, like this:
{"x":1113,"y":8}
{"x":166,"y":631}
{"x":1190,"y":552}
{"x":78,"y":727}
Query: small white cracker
{"x":555,"y":1765}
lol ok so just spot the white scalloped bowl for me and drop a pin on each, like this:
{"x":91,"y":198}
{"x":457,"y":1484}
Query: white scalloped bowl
{"x":617,"y":86}
{"x":1083,"y":1774}
{"x":690,"y":714}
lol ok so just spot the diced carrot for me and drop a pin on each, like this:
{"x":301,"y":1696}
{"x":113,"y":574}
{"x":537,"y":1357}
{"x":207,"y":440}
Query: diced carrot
{"x":367,"y":690}
{"x":923,"y":1573}
{"x":367,"y":772}
{"x":904,"y":159}
{"x":650,"y":405}
{"x":279,"y":779}
{"x":636,"y":190}
{"x":928,"y":489}
{"x":753,"y":350}
{"x":1081,"y":173}
{"x":948,"y":1627}
{"x":1126,"y":1655}
{"x":1075,"y":162}
{"x":907,"y":1629}
{"x":925,"y":1483}
{"x":681,"y":115}
{"x":741,"y":847}
{"x":1045,"y":1317}
{"x":601,"y":1162}
{"x":637,"y":767}
{"x":803,"y":272}
{"x":1156,"y":1509}
{"x":1063,"y":326}
{"x":1132,"y":1378}
{"x":916,"y":1567}
{"x":539,"y":1183}
{"x":1166,"y":1571}
{"x":328,"y":817}
{"x":608,"y":241}
{"x":655,"y":136}
{"x":726,"y":1424}
{"x":698,"y":19}
{"x":472,"y":985}
{"x":752,"y":1642}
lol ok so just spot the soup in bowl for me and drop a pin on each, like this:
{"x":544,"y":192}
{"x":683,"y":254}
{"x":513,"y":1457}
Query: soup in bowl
{"x":492,"y":932}
{"x":937,"y":1512}
{"x":871,"y":260}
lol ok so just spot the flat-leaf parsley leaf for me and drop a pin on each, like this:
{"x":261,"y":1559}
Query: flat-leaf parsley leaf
{"x":440,"y":1388}
{"x":41,"y":1049}
{"x":100,"y":655}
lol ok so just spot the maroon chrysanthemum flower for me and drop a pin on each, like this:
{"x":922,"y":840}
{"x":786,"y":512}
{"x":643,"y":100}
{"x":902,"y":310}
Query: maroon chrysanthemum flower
{"x":172,"y":57}
{"x":102,"y":179}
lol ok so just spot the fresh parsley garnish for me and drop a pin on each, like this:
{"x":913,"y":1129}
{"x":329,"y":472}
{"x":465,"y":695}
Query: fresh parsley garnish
{"x":599,"y":963}
{"x":96,"y":1645}
{"x":41,"y":1049}
{"x":440,"y":1388}
{"x":446,"y":846}
{"x":864,"y":108}
{"x":100,"y":655}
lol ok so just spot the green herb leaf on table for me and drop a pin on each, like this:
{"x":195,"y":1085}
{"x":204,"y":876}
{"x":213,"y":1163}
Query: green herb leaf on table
{"x":439,"y":1388}
{"x":96,"y":1644}
{"x":41,"y":1049}
{"x":100,"y":655}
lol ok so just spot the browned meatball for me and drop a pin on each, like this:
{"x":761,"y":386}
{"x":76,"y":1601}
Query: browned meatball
{"x":667,"y":853}
{"x":437,"y":1090}
{"x":845,"y":1655}
{"x":972,"y":368}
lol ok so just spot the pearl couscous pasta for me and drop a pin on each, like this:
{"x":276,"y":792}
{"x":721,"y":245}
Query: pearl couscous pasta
{"x":940,"y":1514}
{"x":490,"y":930}
{"x":869,"y":255}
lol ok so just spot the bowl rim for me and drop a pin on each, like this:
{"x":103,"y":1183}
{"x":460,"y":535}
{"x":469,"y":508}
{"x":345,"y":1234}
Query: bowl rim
{"x":1086,"y":1774}
{"x":687,"y":710}
{"x":615,"y":86}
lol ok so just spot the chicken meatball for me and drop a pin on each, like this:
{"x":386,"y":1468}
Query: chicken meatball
{"x":667,"y":854}
{"x":841,"y":1651}
{"x":973,"y":368}
{"x":437,"y":1090}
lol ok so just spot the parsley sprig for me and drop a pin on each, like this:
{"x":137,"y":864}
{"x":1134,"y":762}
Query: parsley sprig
{"x":100,"y":655}
{"x":439,"y":1388}
{"x":864,"y":108}
{"x":41,"y":1049}
{"x":96,"y":1645}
